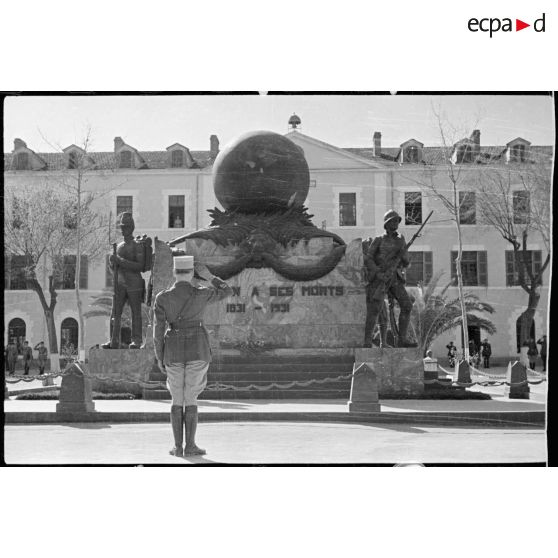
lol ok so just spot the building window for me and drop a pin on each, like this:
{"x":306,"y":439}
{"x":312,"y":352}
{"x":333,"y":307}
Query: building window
{"x":125,"y":161}
{"x":65,"y":273}
{"x":517,"y":153}
{"x":177,"y":158}
{"x":19,"y":213}
{"x":73,"y":160}
{"x":420,"y":268}
{"x":411,"y":154}
{"x":533,"y":260}
{"x":69,"y":337}
{"x":176,"y":212}
{"x":22,"y":161}
{"x":521,"y":207}
{"x":413,"y":208}
{"x":16,"y":272}
{"x":124,"y":203}
{"x":473,"y":268}
{"x":467,"y":208}
{"x":17,"y":333}
{"x":347,"y":210}
{"x":464,"y":154}
{"x":70,"y":217}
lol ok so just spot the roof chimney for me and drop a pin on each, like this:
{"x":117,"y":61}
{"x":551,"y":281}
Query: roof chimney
{"x":18,"y":143}
{"x":213,"y":146}
{"x":377,"y":144}
{"x":118,"y":143}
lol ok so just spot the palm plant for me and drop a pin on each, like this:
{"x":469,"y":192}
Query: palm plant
{"x":434,"y":313}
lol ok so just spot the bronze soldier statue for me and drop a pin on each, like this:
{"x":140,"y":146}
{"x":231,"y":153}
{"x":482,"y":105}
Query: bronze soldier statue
{"x":127,"y":263}
{"x":385,"y":259}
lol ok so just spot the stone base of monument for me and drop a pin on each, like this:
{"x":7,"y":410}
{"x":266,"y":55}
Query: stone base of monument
{"x":120,"y":370}
{"x":397,"y":369}
{"x":517,"y":376}
{"x":462,"y":373}
{"x":364,"y":391}
{"x":75,"y":392}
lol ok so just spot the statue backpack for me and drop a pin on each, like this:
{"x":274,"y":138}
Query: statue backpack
{"x":147,"y":244}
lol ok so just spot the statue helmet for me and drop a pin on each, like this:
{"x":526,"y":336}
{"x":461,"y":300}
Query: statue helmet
{"x":125,"y":219}
{"x":391,"y":214}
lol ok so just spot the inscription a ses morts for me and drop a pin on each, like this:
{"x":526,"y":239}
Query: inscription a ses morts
{"x":287,"y":291}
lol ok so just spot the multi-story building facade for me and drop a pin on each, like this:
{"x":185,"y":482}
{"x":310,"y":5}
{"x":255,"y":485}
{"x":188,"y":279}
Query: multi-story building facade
{"x":170,"y":191}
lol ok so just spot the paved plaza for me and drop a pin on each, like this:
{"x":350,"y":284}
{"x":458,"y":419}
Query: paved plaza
{"x":272,"y":442}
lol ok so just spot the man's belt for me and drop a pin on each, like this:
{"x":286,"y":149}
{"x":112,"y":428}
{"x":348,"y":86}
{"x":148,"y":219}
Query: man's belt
{"x":185,"y":324}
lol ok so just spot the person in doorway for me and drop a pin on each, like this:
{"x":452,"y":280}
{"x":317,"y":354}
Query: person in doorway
{"x":486,"y":351}
{"x":27,"y":353}
{"x":182,"y":351}
{"x":11,"y":356}
{"x":532,"y":353}
{"x":542,"y":343}
{"x":42,"y":356}
{"x":452,"y":353}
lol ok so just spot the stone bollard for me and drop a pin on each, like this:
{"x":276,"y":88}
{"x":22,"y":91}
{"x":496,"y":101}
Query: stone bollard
{"x":462,"y":372}
{"x":517,"y":376}
{"x":75,"y":392}
{"x":364,"y":390}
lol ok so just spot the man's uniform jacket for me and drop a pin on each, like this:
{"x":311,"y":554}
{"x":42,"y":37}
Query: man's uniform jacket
{"x":182,"y":308}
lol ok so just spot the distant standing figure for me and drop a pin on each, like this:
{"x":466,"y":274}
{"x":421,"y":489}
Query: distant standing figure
{"x":177,"y":222}
{"x":27,"y":356}
{"x":11,"y":356}
{"x":532,"y":353}
{"x":542,"y":343}
{"x":42,"y":358}
{"x":486,"y":351}
{"x":452,"y":353}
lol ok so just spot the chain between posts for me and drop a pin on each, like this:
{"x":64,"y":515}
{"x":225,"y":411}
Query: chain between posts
{"x":220,"y":386}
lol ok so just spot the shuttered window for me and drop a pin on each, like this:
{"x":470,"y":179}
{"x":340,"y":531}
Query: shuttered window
{"x":177,"y":158}
{"x":521,"y":207}
{"x":467,"y":208}
{"x":474,"y":268}
{"x":533,"y":259}
{"x":413,"y":208}
{"x":347,"y":210}
{"x":65,"y":273}
{"x":124,"y":203}
{"x":125,"y":161}
{"x":420,"y":268}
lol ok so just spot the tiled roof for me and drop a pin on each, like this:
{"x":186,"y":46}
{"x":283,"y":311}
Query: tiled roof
{"x":435,"y":155}
{"x":107,"y":159}
{"x":160,"y":159}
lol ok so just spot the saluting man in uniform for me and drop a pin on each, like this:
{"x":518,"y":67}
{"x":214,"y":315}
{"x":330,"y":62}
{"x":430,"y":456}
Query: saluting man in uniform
{"x":183,"y":351}
{"x":380,"y":255}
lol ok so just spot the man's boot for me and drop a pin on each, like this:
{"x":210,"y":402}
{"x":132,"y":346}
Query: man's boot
{"x":176,"y":415}
{"x":190,"y":426}
{"x":404,"y":318}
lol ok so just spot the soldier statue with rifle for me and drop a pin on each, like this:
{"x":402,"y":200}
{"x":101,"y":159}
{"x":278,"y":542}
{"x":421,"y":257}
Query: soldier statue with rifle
{"x":129,"y":259}
{"x":385,"y":258}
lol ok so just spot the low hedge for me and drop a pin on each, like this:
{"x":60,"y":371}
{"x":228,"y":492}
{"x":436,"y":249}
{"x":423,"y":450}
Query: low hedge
{"x":54,"y":395}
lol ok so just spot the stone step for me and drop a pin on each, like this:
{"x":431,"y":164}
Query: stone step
{"x":275,"y":376}
{"x":280,"y":367}
{"x":283,"y":359}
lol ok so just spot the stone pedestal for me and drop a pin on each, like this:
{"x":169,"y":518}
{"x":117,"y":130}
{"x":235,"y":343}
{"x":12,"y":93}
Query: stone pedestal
{"x":397,"y":369}
{"x":119,"y":370}
{"x":517,"y":376}
{"x":75,"y":392}
{"x":463,"y":372}
{"x":364,"y":391}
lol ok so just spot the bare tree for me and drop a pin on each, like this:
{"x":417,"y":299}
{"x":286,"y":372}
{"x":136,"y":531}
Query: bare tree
{"x":517,"y":204}
{"x":455,"y":157}
{"x":34,"y":231}
{"x":87,"y":228}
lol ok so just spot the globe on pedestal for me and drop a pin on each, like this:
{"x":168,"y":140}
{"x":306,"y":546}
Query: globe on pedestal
{"x":261,"y":171}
